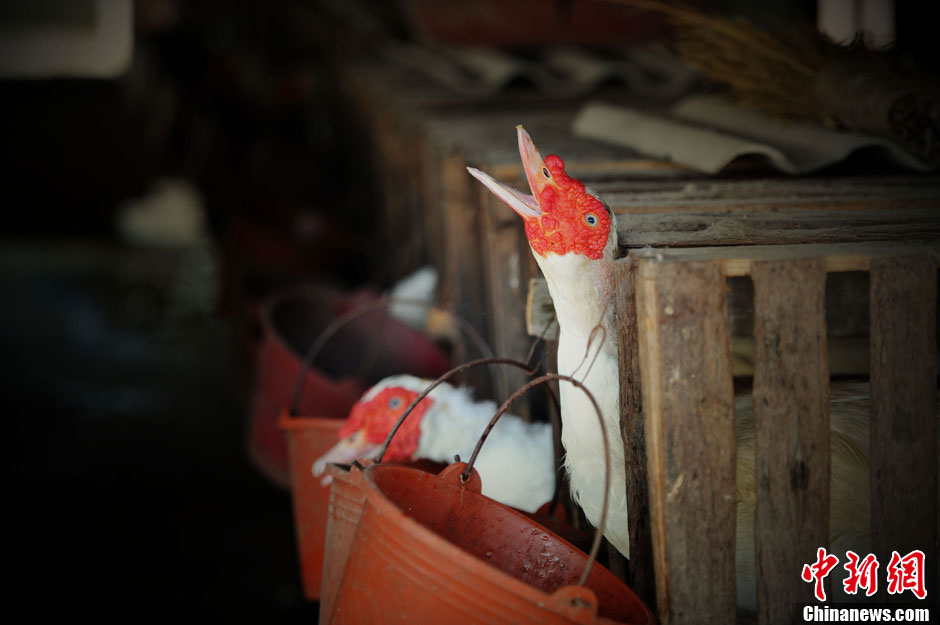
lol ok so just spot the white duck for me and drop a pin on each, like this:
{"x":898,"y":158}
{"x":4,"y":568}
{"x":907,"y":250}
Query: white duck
{"x":516,"y":463}
{"x":573,"y":237}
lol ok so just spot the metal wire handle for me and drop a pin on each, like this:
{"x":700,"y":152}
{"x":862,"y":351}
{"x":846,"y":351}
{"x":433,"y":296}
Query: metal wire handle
{"x":595,"y":546}
{"x":440,"y":380}
{"x":351,"y":315}
{"x":490,"y":360}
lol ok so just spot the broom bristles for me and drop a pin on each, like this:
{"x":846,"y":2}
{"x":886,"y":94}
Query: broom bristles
{"x":804,"y":75}
{"x":774,"y":73}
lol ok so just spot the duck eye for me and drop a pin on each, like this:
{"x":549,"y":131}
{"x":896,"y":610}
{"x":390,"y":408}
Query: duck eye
{"x":591,"y":219}
{"x":546,"y":173}
{"x":394,"y":403}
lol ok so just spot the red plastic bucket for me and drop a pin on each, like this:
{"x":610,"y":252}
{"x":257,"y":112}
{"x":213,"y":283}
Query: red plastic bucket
{"x":429,"y":549}
{"x":309,"y":438}
{"x":291,"y":320}
{"x":395,"y":348}
{"x":346,"y":500}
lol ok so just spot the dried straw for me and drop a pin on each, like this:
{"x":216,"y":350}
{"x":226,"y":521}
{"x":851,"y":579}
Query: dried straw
{"x":803,"y":75}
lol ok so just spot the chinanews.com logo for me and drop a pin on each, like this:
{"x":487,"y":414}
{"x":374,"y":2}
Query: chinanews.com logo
{"x":903,"y":574}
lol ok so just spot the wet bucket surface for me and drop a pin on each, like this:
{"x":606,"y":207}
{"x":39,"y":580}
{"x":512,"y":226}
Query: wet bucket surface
{"x":430,"y":550}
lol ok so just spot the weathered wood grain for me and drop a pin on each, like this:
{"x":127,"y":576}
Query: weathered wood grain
{"x":791,"y":424}
{"x":903,"y":408}
{"x":399,"y":189}
{"x":461,"y":276}
{"x":889,"y":220}
{"x":632,"y":428}
{"x":737,"y":260}
{"x":712,"y":196}
{"x":509,"y":265}
{"x":540,"y":311}
{"x":428,"y":180}
{"x":690,"y":438}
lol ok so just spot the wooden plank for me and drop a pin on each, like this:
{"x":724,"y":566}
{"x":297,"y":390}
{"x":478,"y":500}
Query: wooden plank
{"x":402,"y":223}
{"x":540,"y":311}
{"x":887,"y":220}
{"x":428,"y":201}
{"x":690,"y":438}
{"x":791,"y":428}
{"x":903,"y":315}
{"x":508,"y":265}
{"x":737,"y":260}
{"x":848,"y":194}
{"x":462,"y":281}
{"x":641,"y":577}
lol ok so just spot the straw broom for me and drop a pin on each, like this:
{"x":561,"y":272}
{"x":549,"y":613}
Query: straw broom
{"x":804,"y":75}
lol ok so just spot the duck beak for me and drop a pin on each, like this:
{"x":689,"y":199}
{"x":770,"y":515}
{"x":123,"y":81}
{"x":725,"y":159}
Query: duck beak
{"x":524,"y":204}
{"x":353,"y":447}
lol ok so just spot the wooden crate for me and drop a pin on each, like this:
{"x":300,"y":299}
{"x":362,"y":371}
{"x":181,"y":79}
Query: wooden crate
{"x":675,"y":340}
{"x":689,"y":245}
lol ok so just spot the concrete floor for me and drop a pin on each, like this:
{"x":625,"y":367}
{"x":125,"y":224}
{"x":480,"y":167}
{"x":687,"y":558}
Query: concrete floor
{"x":131,"y":495}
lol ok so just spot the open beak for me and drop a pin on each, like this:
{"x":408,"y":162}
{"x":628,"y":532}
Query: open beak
{"x":524,"y":204}
{"x":353,"y":447}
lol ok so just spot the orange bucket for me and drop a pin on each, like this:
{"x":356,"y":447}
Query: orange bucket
{"x":429,"y":549}
{"x":328,"y":382}
{"x":309,"y":438}
{"x":346,"y":500}
{"x":289,"y":320}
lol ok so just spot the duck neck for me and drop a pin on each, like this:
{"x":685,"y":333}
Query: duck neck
{"x":582,"y":292}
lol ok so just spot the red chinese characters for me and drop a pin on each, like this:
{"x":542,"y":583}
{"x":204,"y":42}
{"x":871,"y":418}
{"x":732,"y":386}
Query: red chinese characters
{"x":862,"y":574}
{"x":903,"y":573}
{"x":819,"y":570}
{"x":907,"y":573}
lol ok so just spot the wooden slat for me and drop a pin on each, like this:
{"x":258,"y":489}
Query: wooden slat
{"x":887,"y":220}
{"x":540,"y":311}
{"x":791,"y":425}
{"x":461,"y":275}
{"x":903,"y":299}
{"x":665,"y":213}
{"x":428,"y":180}
{"x":634,"y":440}
{"x":509,"y":265}
{"x":690,"y":438}
{"x":851,"y":193}
{"x":738,"y":260}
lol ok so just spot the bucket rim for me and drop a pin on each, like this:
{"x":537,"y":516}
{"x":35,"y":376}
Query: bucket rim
{"x":289,"y":423}
{"x":310,"y":291}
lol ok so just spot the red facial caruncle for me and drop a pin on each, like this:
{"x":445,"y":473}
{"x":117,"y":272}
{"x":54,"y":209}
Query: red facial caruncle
{"x":572,"y":220}
{"x":375,"y":418}
{"x":561,"y":216}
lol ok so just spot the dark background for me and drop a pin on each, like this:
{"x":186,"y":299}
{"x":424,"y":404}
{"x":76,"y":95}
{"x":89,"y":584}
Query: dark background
{"x":125,"y":396}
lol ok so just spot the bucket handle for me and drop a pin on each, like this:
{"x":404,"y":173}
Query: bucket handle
{"x":529,"y":370}
{"x":361,"y":310}
{"x":440,"y":380}
{"x":548,"y":377}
